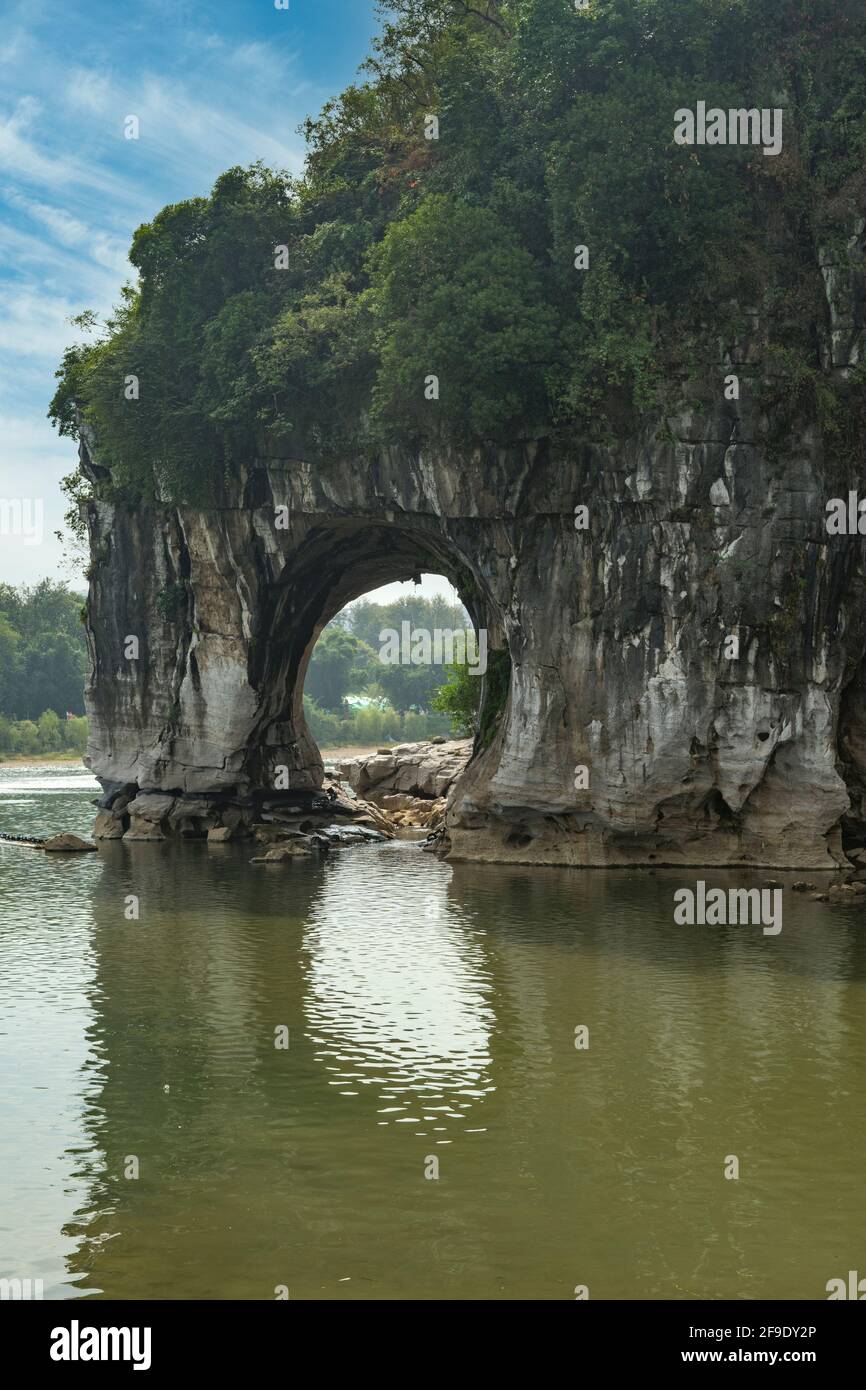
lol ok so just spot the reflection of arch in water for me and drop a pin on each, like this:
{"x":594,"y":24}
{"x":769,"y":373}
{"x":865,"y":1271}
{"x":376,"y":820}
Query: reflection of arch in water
{"x":398,"y":988}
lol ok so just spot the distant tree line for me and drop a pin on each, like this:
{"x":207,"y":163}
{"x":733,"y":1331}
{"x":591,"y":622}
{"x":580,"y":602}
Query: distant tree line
{"x":47,"y":734}
{"x":42,"y":652}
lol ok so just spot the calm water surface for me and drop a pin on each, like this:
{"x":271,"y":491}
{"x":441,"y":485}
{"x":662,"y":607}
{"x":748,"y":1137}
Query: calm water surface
{"x":431,"y":1013}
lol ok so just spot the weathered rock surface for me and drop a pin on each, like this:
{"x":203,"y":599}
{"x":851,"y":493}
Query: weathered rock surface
{"x":294,"y":845}
{"x":220,"y":835}
{"x":107,"y":827}
{"x":407,"y":771}
{"x":701,"y":527}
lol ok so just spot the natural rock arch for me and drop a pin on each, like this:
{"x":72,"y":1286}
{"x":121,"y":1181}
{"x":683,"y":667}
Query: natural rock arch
{"x":617,"y":635}
{"x":335,"y":564}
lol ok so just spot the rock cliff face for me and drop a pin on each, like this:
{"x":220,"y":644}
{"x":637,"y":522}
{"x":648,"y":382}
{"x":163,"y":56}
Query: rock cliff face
{"x":698,"y":750}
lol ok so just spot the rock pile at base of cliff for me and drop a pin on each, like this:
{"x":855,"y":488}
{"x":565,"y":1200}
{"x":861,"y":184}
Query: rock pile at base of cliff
{"x":362,"y":799}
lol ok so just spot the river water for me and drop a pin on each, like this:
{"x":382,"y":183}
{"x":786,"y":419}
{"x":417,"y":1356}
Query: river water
{"x":431,"y":1013}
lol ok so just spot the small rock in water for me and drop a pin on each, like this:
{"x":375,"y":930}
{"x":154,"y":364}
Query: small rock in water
{"x":67,"y":844}
{"x":283,"y":853}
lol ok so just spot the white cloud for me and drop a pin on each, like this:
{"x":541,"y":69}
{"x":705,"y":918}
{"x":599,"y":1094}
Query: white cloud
{"x":108,"y":251}
{"x":191,"y":135}
{"x":12,"y":48}
{"x":90,"y":91}
{"x":34,"y":325}
{"x":21,"y":156}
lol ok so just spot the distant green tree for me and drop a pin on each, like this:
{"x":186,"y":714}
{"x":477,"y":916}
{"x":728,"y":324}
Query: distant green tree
{"x":25,"y":737}
{"x":50,"y":732}
{"x":74,"y":734}
{"x":339,"y":666}
{"x":410,"y":687}
{"x":10,"y":640}
{"x":405,"y":686}
{"x":367,"y":619}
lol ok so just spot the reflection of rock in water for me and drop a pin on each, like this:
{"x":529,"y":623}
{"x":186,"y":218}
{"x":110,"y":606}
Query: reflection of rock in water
{"x":398,"y":989}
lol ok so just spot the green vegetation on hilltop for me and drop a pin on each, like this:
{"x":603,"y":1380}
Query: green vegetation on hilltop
{"x":410,"y":257}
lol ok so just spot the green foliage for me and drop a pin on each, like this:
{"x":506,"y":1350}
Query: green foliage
{"x":339,"y":667}
{"x":458,"y":297}
{"x":454,"y":257}
{"x":44,"y":736}
{"x":170,"y":601}
{"x":42,"y":651}
{"x":405,"y":698}
{"x":460,"y":699}
{"x":367,"y":619}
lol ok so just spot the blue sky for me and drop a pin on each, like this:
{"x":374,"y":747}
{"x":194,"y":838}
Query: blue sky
{"x":213,"y":83}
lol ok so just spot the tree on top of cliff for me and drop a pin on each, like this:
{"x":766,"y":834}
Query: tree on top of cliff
{"x":412,"y":257}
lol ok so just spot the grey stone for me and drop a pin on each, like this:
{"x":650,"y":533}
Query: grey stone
{"x":143,"y":830}
{"x":149,"y":806}
{"x":107,"y":827}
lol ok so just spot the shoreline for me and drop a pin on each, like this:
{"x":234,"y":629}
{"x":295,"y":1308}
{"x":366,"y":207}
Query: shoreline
{"x":328,"y":755}
{"x":48,"y":759}
{"x":40,"y":760}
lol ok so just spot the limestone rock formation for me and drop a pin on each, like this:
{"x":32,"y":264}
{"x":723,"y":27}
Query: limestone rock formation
{"x":633,"y":730}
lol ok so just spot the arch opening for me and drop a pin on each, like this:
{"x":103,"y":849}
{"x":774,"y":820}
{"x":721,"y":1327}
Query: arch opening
{"x":334,"y":567}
